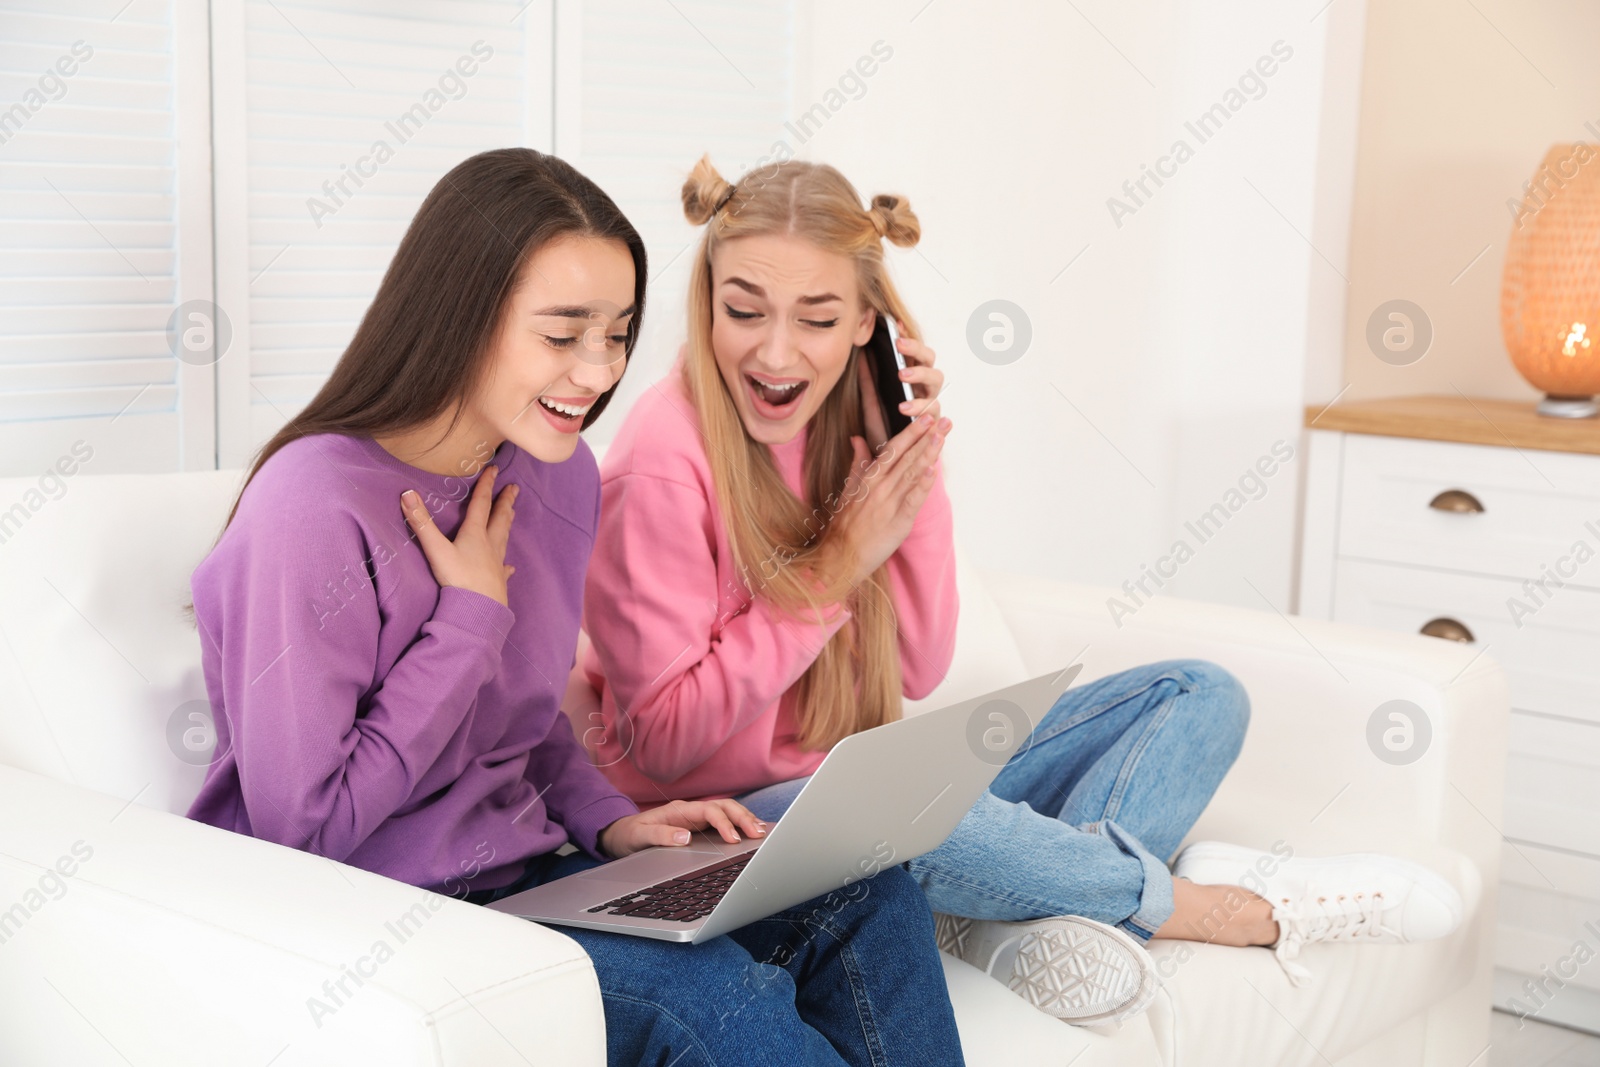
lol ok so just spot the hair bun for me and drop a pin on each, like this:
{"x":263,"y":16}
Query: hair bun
{"x":704,"y":191}
{"x":894,"y":220}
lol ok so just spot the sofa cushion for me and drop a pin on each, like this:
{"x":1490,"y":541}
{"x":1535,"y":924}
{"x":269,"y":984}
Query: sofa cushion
{"x":1356,"y":995}
{"x":100,"y":667}
{"x":986,"y":655}
{"x":1000,"y":1029}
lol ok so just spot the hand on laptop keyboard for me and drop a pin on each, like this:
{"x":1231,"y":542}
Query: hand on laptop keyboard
{"x":671,"y":822}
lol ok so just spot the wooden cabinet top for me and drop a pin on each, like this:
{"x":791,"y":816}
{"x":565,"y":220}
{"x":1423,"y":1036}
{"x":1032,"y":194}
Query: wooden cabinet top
{"x":1470,"y":420}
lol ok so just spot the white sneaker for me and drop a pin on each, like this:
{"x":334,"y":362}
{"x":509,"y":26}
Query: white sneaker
{"x":1075,"y":969}
{"x":1360,"y":898}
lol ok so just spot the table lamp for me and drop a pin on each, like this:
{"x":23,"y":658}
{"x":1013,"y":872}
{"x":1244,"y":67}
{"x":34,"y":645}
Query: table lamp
{"x":1550,"y":292}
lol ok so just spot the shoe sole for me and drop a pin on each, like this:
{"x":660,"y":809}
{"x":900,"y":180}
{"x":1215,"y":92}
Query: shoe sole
{"x":1066,"y":967}
{"x":950,"y":932}
{"x":1243,"y":860}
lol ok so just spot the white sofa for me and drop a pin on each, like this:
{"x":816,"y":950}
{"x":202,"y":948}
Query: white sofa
{"x":129,"y":934}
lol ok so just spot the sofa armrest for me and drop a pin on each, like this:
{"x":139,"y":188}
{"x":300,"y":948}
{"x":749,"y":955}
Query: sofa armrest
{"x":1315,"y":774}
{"x":135,"y":935}
{"x":1309,"y":771}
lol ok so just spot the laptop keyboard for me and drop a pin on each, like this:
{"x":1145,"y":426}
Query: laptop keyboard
{"x":682,"y":899}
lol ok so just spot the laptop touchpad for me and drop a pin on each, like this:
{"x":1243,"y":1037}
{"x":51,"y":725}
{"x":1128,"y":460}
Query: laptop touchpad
{"x":654,"y":865}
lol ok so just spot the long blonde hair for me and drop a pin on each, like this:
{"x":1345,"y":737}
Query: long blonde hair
{"x":786,"y":548}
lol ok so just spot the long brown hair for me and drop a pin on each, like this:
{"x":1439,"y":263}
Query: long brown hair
{"x":423,"y":345}
{"x":786,"y":548}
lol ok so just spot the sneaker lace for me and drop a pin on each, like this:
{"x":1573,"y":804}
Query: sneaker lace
{"x":1319,"y":917}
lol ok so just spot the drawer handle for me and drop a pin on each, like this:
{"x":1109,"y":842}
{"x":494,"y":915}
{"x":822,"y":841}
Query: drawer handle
{"x":1457,"y":500}
{"x":1449,"y":629}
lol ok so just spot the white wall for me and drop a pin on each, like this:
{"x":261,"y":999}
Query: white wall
{"x":1460,"y":104}
{"x":1180,"y":338}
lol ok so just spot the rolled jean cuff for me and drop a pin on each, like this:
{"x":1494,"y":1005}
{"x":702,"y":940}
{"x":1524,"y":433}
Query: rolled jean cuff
{"x":1155,"y":898}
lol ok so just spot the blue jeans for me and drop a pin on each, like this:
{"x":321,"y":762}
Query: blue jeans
{"x":1084,"y":816}
{"x":849,"y":978}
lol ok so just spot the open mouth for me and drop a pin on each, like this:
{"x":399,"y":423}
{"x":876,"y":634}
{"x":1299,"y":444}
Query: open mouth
{"x":564,"y":416}
{"x":775,"y":398}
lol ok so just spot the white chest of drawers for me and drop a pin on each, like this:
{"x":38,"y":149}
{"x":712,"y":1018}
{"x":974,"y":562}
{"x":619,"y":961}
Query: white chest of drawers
{"x":1478,"y":521}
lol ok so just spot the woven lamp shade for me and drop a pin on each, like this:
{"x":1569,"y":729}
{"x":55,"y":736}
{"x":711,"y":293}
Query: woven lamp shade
{"x":1550,"y":292}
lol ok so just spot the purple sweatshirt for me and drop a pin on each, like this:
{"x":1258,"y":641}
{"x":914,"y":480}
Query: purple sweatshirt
{"x":365,"y":714}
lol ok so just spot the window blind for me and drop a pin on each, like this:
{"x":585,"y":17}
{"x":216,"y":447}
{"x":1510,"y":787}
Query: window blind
{"x":90,"y":265}
{"x":349,"y":112}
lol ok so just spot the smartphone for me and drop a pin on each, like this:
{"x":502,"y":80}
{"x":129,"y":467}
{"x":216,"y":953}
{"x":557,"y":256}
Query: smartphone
{"x":887,"y":363}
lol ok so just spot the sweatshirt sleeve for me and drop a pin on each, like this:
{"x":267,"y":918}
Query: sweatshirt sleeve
{"x":576,"y":795}
{"x":922,"y":575}
{"x":325,"y":751}
{"x":652,"y":606}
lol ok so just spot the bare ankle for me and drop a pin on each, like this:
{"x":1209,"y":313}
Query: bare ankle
{"x":1218,"y":914}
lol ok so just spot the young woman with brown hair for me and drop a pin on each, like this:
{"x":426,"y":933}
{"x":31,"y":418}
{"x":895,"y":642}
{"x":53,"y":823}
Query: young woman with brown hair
{"x":391,"y":705}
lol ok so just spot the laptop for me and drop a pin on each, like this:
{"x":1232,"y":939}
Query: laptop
{"x":881,"y":797}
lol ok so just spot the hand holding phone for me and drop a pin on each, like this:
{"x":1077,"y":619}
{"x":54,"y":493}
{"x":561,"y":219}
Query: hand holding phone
{"x":886,"y":362}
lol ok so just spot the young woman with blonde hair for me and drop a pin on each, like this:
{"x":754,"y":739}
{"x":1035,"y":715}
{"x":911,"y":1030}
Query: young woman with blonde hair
{"x":771,"y":575}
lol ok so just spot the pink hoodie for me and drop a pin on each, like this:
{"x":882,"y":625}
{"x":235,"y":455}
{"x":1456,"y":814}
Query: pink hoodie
{"x":694,"y":674}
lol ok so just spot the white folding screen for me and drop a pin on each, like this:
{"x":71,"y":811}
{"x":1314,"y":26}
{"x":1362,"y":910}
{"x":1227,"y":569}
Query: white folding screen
{"x":104,"y":232}
{"x":344,"y":115}
{"x":197,"y":205}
